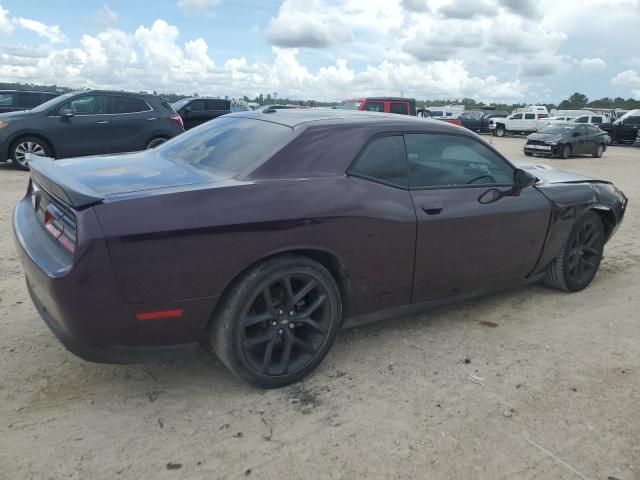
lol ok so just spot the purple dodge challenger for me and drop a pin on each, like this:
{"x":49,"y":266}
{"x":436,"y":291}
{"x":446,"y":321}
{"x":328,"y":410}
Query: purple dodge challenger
{"x":263,"y":233}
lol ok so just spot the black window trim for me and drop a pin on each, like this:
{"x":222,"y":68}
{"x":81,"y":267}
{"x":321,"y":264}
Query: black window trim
{"x":408,"y":188}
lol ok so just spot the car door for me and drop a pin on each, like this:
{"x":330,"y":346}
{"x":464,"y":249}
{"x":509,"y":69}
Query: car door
{"x":383,"y":202}
{"x":583,"y":142}
{"x":530,"y":122}
{"x":464,"y":245}
{"x":80,"y":126}
{"x":194,"y":113}
{"x":133,"y":123}
{"x":516,"y":122}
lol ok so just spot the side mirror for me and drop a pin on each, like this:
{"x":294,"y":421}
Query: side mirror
{"x":67,"y":113}
{"x":523,"y":179}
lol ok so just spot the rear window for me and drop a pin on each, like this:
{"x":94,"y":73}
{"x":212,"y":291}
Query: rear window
{"x":128,"y":105}
{"x":529,"y":116}
{"x":350,"y":105}
{"x":218,"y":104}
{"x":227,"y":145}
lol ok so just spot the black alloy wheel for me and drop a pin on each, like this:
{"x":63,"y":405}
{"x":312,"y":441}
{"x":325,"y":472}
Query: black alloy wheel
{"x":580,"y":257}
{"x":278,"y":322}
{"x":286,"y":324}
{"x":565,"y":152}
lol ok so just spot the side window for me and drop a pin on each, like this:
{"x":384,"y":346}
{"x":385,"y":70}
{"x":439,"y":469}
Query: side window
{"x":374,"y":107}
{"x":383,"y":159}
{"x":197,"y":105}
{"x":28,"y":100}
{"x":583,"y":130}
{"x":128,"y":105}
{"x":517,"y":116}
{"x":449,"y":160}
{"x":6,"y":99}
{"x":632,"y":120}
{"x":529,"y":116}
{"x":218,"y":104}
{"x":583,"y":119}
{"x":399,"y":107}
{"x":86,"y":105}
{"x":596,"y":119}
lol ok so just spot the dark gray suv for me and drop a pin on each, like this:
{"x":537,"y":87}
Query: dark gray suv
{"x":90,"y":122}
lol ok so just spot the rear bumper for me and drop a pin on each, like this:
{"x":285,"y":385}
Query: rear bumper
{"x":80,"y":302}
{"x":116,"y":354}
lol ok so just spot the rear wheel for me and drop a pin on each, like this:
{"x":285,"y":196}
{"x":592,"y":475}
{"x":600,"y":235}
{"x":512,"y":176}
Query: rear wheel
{"x":598,"y":151}
{"x":21,"y":147}
{"x":154,"y":142}
{"x":579,"y":257}
{"x":565,"y":152}
{"x":278,"y":322}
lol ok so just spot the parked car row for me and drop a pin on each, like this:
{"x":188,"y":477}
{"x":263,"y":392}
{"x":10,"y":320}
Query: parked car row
{"x":16,"y":100}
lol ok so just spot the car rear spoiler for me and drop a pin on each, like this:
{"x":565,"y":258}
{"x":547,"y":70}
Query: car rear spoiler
{"x":60,"y":183}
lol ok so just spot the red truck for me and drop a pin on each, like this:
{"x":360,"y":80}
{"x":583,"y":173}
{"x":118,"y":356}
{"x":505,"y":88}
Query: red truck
{"x":403,"y":106}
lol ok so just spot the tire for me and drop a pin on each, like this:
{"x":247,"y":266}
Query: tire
{"x":599,"y":150}
{"x":24,"y":145}
{"x":252,"y":339}
{"x":580,"y":256}
{"x":500,"y":131}
{"x":155,"y":142}
{"x":565,"y":152}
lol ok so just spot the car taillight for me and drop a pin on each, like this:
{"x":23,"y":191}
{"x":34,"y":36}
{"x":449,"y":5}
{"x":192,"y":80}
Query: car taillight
{"x":178,"y":120}
{"x":61,"y":226}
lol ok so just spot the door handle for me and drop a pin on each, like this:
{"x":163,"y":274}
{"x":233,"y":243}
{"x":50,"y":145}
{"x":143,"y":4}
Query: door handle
{"x":102,"y":122}
{"x":433,"y":208}
{"x":150,"y":119}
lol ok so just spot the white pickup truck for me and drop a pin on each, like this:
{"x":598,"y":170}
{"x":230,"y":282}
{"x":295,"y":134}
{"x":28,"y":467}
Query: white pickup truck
{"x":521,"y":122}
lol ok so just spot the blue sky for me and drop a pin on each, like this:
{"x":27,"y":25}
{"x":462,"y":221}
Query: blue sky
{"x":491,"y":50}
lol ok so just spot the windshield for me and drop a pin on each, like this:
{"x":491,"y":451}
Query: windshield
{"x":180,"y":103}
{"x":227,"y":145}
{"x":350,"y":105}
{"x":557,"y":129}
{"x":53,"y":102}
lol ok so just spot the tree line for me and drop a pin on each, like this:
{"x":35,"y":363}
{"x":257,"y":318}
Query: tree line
{"x":574,"y":102}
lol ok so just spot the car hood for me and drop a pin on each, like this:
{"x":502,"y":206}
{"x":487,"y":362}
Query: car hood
{"x":113,"y":175}
{"x":548,"y":175}
{"x":545,"y":137}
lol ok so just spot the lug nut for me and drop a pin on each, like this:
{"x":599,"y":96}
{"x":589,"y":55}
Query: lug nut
{"x":292,"y":326}
{"x":280,"y":311}
{"x":291,"y":313}
{"x":274,"y":323}
{"x":280,"y":331}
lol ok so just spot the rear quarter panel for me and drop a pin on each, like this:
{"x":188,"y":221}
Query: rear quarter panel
{"x":193,"y":244}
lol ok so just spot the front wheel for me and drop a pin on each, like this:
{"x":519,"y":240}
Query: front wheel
{"x":500,"y":131}
{"x":597,"y":153}
{"x":579,"y":257}
{"x":278,"y":322}
{"x":21,"y":147}
{"x":565,"y":152}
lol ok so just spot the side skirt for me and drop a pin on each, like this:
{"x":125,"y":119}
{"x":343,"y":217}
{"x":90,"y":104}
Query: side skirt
{"x":430,"y":304}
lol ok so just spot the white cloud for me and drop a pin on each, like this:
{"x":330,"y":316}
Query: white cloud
{"x":106,"y":17}
{"x":462,"y":9}
{"x":198,"y":6}
{"x":629,"y":79}
{"x":51,"y":32}
{"x":302,"y":23}
{"x":593,"y":64}
{"x":415,"y":5}
{"x":6,"y":26}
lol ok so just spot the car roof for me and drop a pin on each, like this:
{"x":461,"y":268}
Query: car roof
{"x":29,"y":91}
{"x":117,"y":92}
{"x":296,"y":117}
{"x":203,"y":98}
